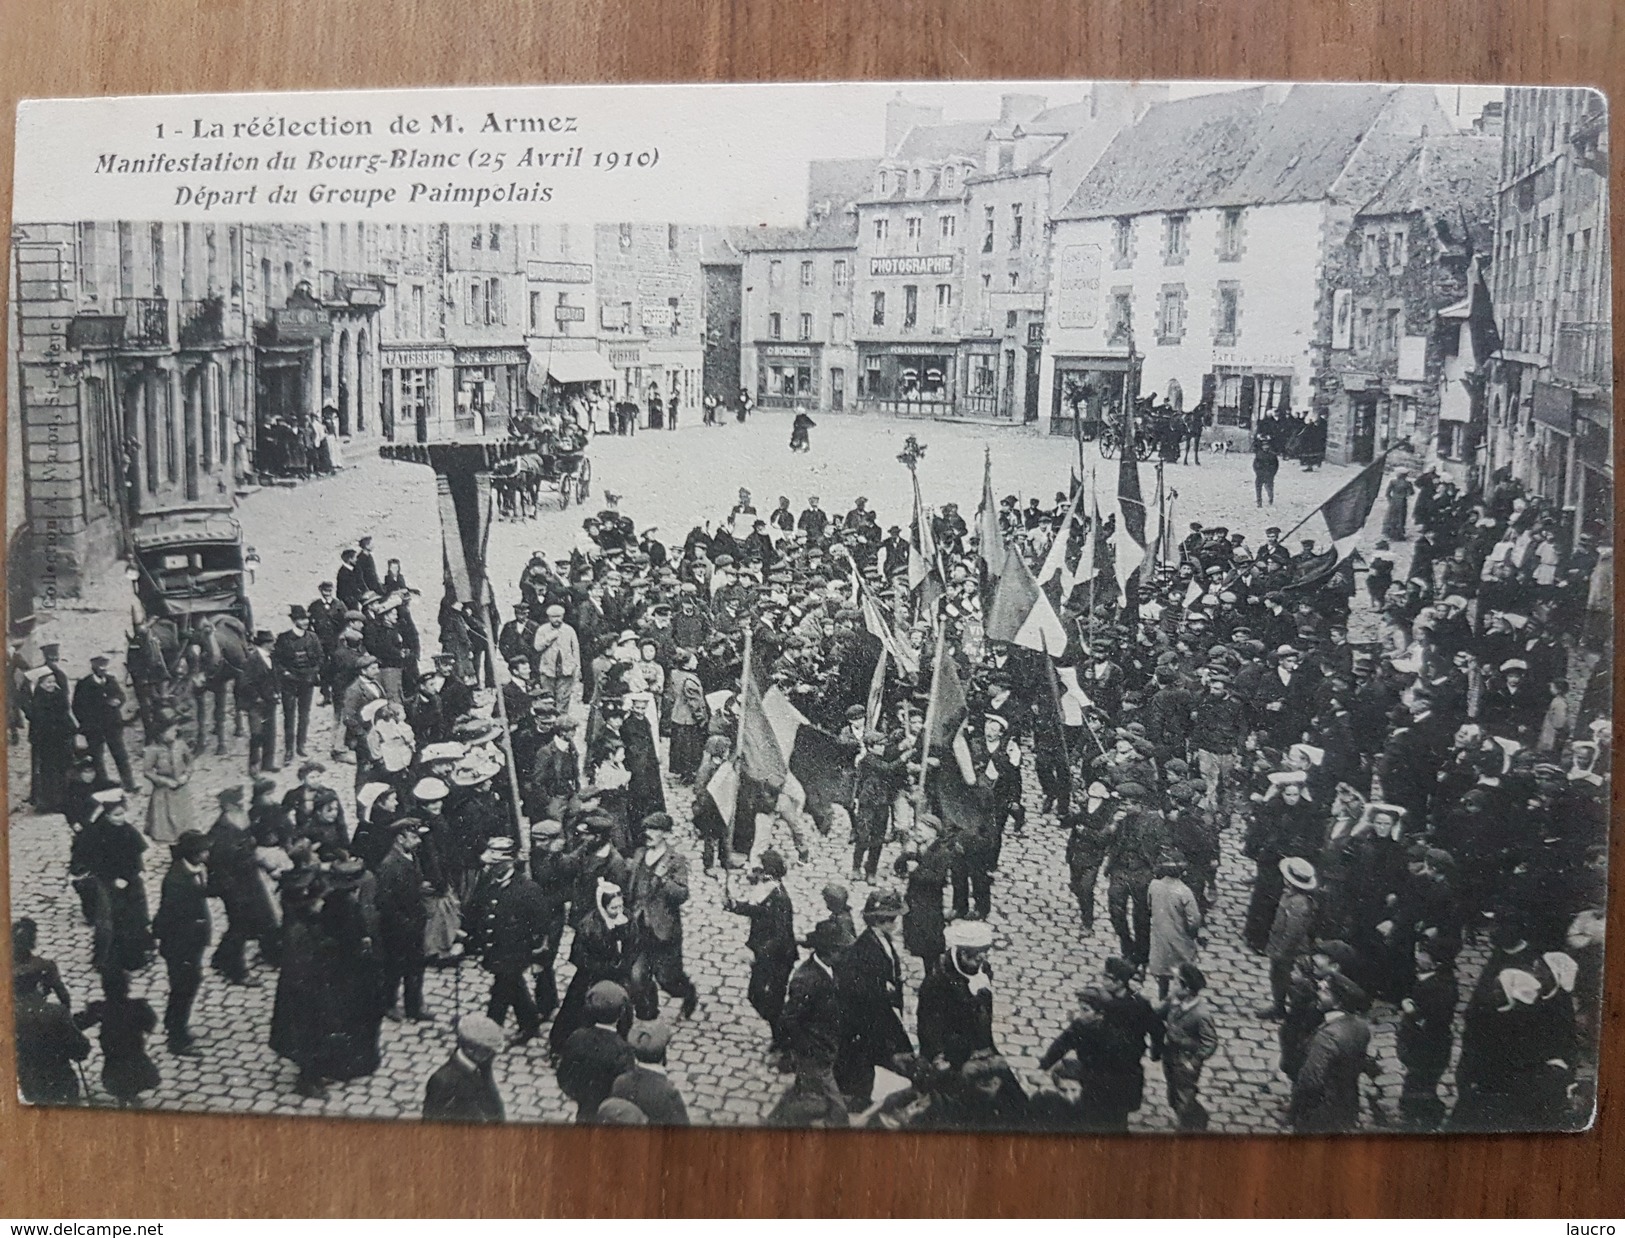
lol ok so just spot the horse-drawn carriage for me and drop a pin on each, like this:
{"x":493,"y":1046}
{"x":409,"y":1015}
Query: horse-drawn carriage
{"x":192,"y":619}
{"x":556,"y":461}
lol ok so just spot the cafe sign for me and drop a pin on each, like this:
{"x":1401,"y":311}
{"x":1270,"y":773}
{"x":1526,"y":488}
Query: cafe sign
{"x":561,"y":272}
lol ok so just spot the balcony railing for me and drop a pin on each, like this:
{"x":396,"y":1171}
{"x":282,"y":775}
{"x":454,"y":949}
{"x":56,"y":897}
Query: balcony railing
{"x":1584,"y":353}
{"x":202,"y":322}
{"x":146,"y":321}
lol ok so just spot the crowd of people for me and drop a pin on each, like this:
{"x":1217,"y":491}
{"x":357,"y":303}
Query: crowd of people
{"x":1440,"y":786}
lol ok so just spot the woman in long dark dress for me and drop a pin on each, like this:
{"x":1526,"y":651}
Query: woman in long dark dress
{"x":644,"y":792}
{"x":602,"y":950}
{"x":351,"y":983}
{"x":109,"y":850}
{"x":925,"y":866}
{"x":126,"y":1022}
{"x":298,"y":1013}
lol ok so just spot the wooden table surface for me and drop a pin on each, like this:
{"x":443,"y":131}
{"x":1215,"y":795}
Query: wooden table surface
{"x":78,"y":1164}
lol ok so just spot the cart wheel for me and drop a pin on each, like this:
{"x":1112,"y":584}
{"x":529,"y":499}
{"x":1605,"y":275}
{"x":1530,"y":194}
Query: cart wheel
{"x":1108,"y":444}
{"x":584,"y":481}
{"x":564,"y":493}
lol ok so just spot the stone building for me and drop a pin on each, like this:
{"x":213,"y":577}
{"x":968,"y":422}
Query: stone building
{"x":1400,"y":282}
{"x":797,"y":352}
{"x":650,"y":293}
{"x":1551,"y":389}
{"x":723,"y":307}
{"x":1192,"y":257}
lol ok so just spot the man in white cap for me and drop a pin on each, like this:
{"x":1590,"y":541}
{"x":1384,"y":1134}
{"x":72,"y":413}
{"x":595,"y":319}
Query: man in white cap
{"x":463,"y":1090}
{"x":558,"y":661}
{"x":956,"y":999}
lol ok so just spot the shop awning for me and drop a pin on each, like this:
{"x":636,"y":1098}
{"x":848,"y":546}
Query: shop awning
{"x":567,"y":367}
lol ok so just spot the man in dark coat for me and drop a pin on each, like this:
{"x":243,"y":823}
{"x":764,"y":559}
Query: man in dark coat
{"x":98,"y":705}
{"x":646,"y":1084}
{"x":402,"y":918}
{"x":299,"y":660}
{"x":1425,"y":1037}
{"x":771,"y":941}
{"x":462,"y":1090}
{"x":595,"y":1056}
{"x":48,"y":1044}
{"x":870,"y":977}
{"x":258,"y":693}
{"x":956,"y":999}
{"x":234,"y":878}
{"x":348,"y":581}
{"x":810,"y":1029}
{"x":182,"y":928}
{"x":1326,"y":1092}
{"x":656,"y":892}
{"x":327,"y":620}
{"x":505,"y":921}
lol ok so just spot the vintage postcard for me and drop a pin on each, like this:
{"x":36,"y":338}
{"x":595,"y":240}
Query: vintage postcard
{"x":1064,"y":606}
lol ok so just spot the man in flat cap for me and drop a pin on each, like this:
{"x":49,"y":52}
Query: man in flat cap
{"x":1326,"y":1092}
{"x":647,"y":1085}
{"x":558,"y":661}
{"x":595,"y":1056}
{"x":98,"y":705}
{"x":463,"y":1090}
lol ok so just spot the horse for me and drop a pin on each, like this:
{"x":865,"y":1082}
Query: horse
{"x":217,"y":648}
{"x":156,"y":657}
{"x":518,"y":485}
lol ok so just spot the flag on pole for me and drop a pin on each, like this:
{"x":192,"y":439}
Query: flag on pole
{"x":1133,"y":537}
{"x":990,"y":539}
{"x":1346,"y":512}
{"x":1022,"y":613}
{"x":922,"y":553}
{"x":1074,"y":700}
{"x":1088,"y":567}
{"x":877,"y":692}
{"x":1054,"y":564}
{"x":880,"y":625}
{"x":951,"y":705}
{"x":792,"y":762}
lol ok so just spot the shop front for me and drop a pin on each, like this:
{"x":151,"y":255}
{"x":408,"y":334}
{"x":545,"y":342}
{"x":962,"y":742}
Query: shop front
{"x":417,"y":393}
{"x":1088,"y":391}
{"x":490,"y":388}
{"x":911,"y":380}
{"x":787,"y":375}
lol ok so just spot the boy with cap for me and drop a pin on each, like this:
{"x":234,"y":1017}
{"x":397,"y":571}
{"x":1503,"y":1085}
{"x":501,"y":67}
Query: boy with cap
{"x":771,"y":940}
{"x":595,"y":1056}
{"x":646,"y":1085}
{"x":463,"y":1090}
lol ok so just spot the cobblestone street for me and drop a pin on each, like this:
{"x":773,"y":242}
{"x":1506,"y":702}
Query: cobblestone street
{"x":718,"y":1058}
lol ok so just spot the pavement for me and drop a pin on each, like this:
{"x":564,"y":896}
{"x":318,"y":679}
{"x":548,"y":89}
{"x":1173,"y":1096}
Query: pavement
{"x":718,"y":1057}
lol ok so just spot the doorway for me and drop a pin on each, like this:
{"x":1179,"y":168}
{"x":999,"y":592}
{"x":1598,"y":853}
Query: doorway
{"x":837,"y":389}
{"x":1364,"y":437}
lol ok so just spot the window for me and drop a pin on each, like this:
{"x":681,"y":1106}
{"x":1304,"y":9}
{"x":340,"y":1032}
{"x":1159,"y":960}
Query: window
{"x":837,"y":328}
{"x":676,"y":317}
{"x":1017,"y":226}
{"x":950,"y":174}
{"x":626,"y":236}
{"x":155,"y":243}
{"x":877,"y":309}
{"x":1122,"y":241}
{"x":1173,"y":240}
{"x":419,"y":319}
{"x":1396,"y":248}
{"x":535,"y":311}
{"x":945,"y":306}
{"x":559,"y":320}
{"x":775,"y":327}
{"x":1364,"y":326}
{"x":804,"y":332}
{"x":496,"y":238}
{"x":1015,"y":280}
{"x":840,"y":272}
{"x":1118,"y":316}
{"x":1171,"y":314}
{"x":1229,"y":310}
{"x":1370,"y":247}
{"x":914,"y":181}
{"x":945,"y":227}
{"x":912,"y":228}
{"x":477,"y":241}
{"x":775,"y":273}
{"x":987,"y":229}
{"x":87,"y":260}
{"x":885,"y":184}
{"x":1390,"y":332}
{"x":881,"y":229}
{"x":671,"y":237}
{"x":1230,"y":235}
{"x":126,"y":265}
{"x":1010,"y":320}
{"x":911,"y":306}
{"x":806,"y":274}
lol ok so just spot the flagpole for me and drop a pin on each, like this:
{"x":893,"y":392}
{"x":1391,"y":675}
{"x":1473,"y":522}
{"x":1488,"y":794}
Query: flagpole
{"x":739,"y":741}
{"x":1319,"y":506}
{"x":521,"y":824}
{"x":931,"y":712}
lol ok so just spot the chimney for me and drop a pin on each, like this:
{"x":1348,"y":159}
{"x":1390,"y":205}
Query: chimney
{"x":1491,"y":119}
{"x":901,"y":116}
{"x":1014,"y":109}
